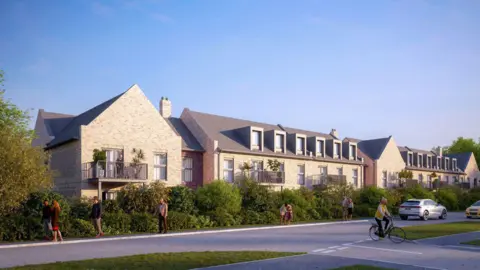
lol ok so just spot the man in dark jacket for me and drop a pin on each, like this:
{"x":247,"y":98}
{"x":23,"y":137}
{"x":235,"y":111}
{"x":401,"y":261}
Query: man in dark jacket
{"x":96,"y":216}
{"x":47,"y":219}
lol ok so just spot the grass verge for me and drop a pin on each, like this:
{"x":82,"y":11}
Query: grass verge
{"x":443,"y":229}
{"x":362,"y":267}
{"x":473,"y":243}
{"x":164,"y":261}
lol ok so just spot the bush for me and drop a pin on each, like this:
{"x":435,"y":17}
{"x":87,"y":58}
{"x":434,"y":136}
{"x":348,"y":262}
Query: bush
{"x":180,"y":221}
{"x":145,"y":198}
{"x":182,"y":199}
{"x":116,"y":223}
{"x":219,"y":195}
{"x":111,"y":206}
{"x":143,"y":222}
{"x":80,"y":208}
{"x":447,"y":198}
{"x":81,"y":228}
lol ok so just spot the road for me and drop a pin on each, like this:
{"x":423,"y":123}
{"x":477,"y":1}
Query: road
{"x":328,"y":244}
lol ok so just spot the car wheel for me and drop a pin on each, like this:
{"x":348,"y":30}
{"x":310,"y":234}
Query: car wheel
{"x":443,"y":215}
{"x":425,"y":216}
{"x":404,"y":217}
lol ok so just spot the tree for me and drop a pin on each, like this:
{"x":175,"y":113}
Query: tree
{"x":463,"y":145}
{"x":23,"y":168}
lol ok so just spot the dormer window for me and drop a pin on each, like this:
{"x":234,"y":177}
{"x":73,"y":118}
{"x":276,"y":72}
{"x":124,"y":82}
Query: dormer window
{"x":300,"y":145}
{"x":439,"y":163}
{"x":419,"y":160}
{"x":447,"y":163}
{"x":454,"y":164}
{"x":336,"y":150}
{"x":320,"y":146}
{"x":352,"y":152}
{"x":429,"y":161}
{"x":256,"y":139}
{"x":409,"y":159}
{"x":280,"y":143}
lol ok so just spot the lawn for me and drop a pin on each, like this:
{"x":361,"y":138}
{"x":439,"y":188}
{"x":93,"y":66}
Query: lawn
{"x":164,"y":261}
{"x":434,"y":230}
{"x":362,"y":267}
{"x":473,"y":243}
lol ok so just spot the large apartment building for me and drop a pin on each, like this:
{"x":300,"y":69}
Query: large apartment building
{"x":127,"y":140}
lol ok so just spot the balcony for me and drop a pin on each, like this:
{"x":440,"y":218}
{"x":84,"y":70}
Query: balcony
{"x":267,"y":177}
{"x":106,"y":171}
{"x":324,"y":180}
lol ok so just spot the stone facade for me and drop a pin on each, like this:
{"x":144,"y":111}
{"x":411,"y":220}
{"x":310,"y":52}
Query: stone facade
{"x":65,"y":161}
{"x":391,"y":163}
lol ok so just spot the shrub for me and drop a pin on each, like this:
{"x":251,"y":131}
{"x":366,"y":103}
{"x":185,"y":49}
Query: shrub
{"x":180,"y":221}
{"x":20,"y":228}
{"x":219,"y":195}
{"x":143,"y":222}
{"x":145,"y":198}
{"x":256,"y":197}
{"x":80,"y":208}
{"x":447,"y":198}
{"x":222,"y":218}
{"x":116,"y":223}
{"x":111,"y":206}
{"x":81,"y":228}
{"x":182,"y":199}
{"x":34,"y":204}
{"x":416,"y":192}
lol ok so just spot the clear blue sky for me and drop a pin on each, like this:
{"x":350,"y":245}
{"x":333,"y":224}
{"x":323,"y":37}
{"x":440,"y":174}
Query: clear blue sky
{"x":367,"y":68}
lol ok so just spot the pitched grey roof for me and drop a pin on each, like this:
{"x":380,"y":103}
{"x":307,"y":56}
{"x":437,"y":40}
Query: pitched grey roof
{"x":225,"y":131}
{"x":462,"y":159}
{"x":55,"y":122}
{"x":71,"y":131}
{"x":373,"y":148}
{"x":189,"y":142}
{"x":349,"y":139}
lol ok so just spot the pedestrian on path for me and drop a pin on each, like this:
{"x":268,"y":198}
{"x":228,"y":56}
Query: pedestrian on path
{"x":350,"y":209}
{"x":162,"y":212}
{"x":288,"y":214}
{"x":96,"y":216}
{"x":55,"y":214}
{"x":47,"y":219}
{"x":283,"y":211}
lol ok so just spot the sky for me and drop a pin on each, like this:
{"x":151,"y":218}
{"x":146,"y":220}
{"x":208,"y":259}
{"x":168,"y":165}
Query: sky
{"x":367,"y":68}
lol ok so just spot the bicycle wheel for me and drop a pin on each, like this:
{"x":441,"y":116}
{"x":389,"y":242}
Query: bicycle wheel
{"x":397,"y":235}
{"x":374,"y":233}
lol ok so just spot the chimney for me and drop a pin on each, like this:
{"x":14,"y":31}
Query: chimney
{"x":334,"y":133}
{"x":440,"y":151}
{"x":165,"y":107}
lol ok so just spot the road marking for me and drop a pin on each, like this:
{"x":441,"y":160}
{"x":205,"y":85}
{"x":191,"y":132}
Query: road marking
{"x":334,"y":247}
{"x":361,"y":241}
{"x":387,"y":249}
{"x":342,"y":248}
{"x":328,"y":251}
{"x":317,"y":250}
{"x":241,"y":263}
{"x":451,"y":235}
{"x":383,"y":261}
{"x":6,"y":246}
{"x":472,"y":248}
{"x":346,"y":244}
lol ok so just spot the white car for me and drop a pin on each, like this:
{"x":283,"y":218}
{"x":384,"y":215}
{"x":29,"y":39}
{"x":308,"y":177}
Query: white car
{"x":423,"y":208}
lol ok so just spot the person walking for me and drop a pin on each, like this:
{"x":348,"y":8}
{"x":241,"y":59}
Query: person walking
{"x":283,"y":211}
{"x":55,"y":214}
{"x":47,"y":219}
{"x":350,"y":209}
{"x":96,"y":216}
{"x":162,"y":212}
{"x":288,"y":214}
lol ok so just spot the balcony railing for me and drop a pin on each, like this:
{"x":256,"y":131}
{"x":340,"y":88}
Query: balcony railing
{"x":267,"y":177}
{"x":323,"y":180}
{"x":115,"y":170}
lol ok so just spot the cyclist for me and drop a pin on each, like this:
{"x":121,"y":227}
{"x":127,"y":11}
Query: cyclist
{"x":382,"y":214}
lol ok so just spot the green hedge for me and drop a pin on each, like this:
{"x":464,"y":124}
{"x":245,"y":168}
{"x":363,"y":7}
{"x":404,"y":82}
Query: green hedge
{"x":218,"y":204}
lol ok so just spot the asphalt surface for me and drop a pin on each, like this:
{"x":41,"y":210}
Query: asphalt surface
{"x":329,"y":245}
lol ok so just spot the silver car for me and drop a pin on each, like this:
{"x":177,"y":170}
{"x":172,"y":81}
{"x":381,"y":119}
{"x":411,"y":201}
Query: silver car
{"x":423,"y":208}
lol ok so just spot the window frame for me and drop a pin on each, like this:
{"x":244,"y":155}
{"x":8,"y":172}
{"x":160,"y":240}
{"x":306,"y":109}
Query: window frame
{"x":301,"y":174}
{"x":160,"y":166}
{"x":355,"y":177}
{"x":229,"y":170}
{"x":187,"y":169}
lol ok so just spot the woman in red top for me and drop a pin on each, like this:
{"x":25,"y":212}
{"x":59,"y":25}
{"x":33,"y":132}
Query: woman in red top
{"x":55,"y":221}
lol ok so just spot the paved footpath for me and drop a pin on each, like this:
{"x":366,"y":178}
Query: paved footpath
{"x":335,"y":243}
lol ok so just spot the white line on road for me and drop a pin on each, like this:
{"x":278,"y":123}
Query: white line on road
{"x":472,"y":248}
{"x":334,"y":247}
{"x":241,"y":263}
{"x":383,"y":261}
{"x":387,"y":249}
{"x":342,"y":248}
{"x":317,"y":250}
{"x":346,"y":244}
{"x":328,"y":251}
{"x":451,"y":235}
{"x":361,"y":241}
{"x":176,"y":234}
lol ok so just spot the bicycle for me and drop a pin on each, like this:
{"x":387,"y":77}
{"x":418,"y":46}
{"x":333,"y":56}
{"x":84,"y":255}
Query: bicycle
{"x":395,"y":234}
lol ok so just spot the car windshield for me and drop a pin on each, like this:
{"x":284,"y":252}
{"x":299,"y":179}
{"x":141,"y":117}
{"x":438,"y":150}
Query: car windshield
{"x":411,"y":203}
{"x":476,"y":204}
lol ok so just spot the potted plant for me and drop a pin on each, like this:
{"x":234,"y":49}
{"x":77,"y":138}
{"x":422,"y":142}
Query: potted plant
{"x":98,"y":157}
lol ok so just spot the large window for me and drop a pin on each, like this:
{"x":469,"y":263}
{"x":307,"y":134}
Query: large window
{"x":447,"y":179}
{"x":160,"y":167}
{"x":355,"y":177}
{"x":279,"y":142}
{"x":410,"y":157}
{"x":353,"y":152}
{"x":301,"y":174}
{"x":228,"y":170}
{"x":340,"y":171}
{"x":420,"y":178}
{"x":323,"y":171}
{"x":187,"y":169}
{"x":301,"y":145}
{"x":384,"y":179}
{"x":429,"y":162}
{"x":256,"y":137}
{"x":336,"y":150}
{"x":419,"y":160}
{"x":320,"y":147}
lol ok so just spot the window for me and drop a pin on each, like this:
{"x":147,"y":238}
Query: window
{"x":320,"y":146}
{"x":419,"y":160}
{"x":409,"y":159}
{"x":447,"y":179}
{"x":355,"y":177}
{"x":439,"y":163}
{"x":301,"y":145}
{"x":439,"y":178}
{"x":256,"y":136}
{"x":384,"y":178}
{"x":454,"y":164}
{"x":187,"y":169}
{"x":429,"y":181}
{"x":353,"y":152}
{"x":160,"y":167}
{"x":282,"y":167}
{"x":429,"y":162}
{"x":279,"y":142}
{"x":301,"y":174}
{"x":228,"y":170}
{"x":420,"y":178}
{"x":340,"y":171}
{"x":336,"y":151}
{"x":323,"y":171}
